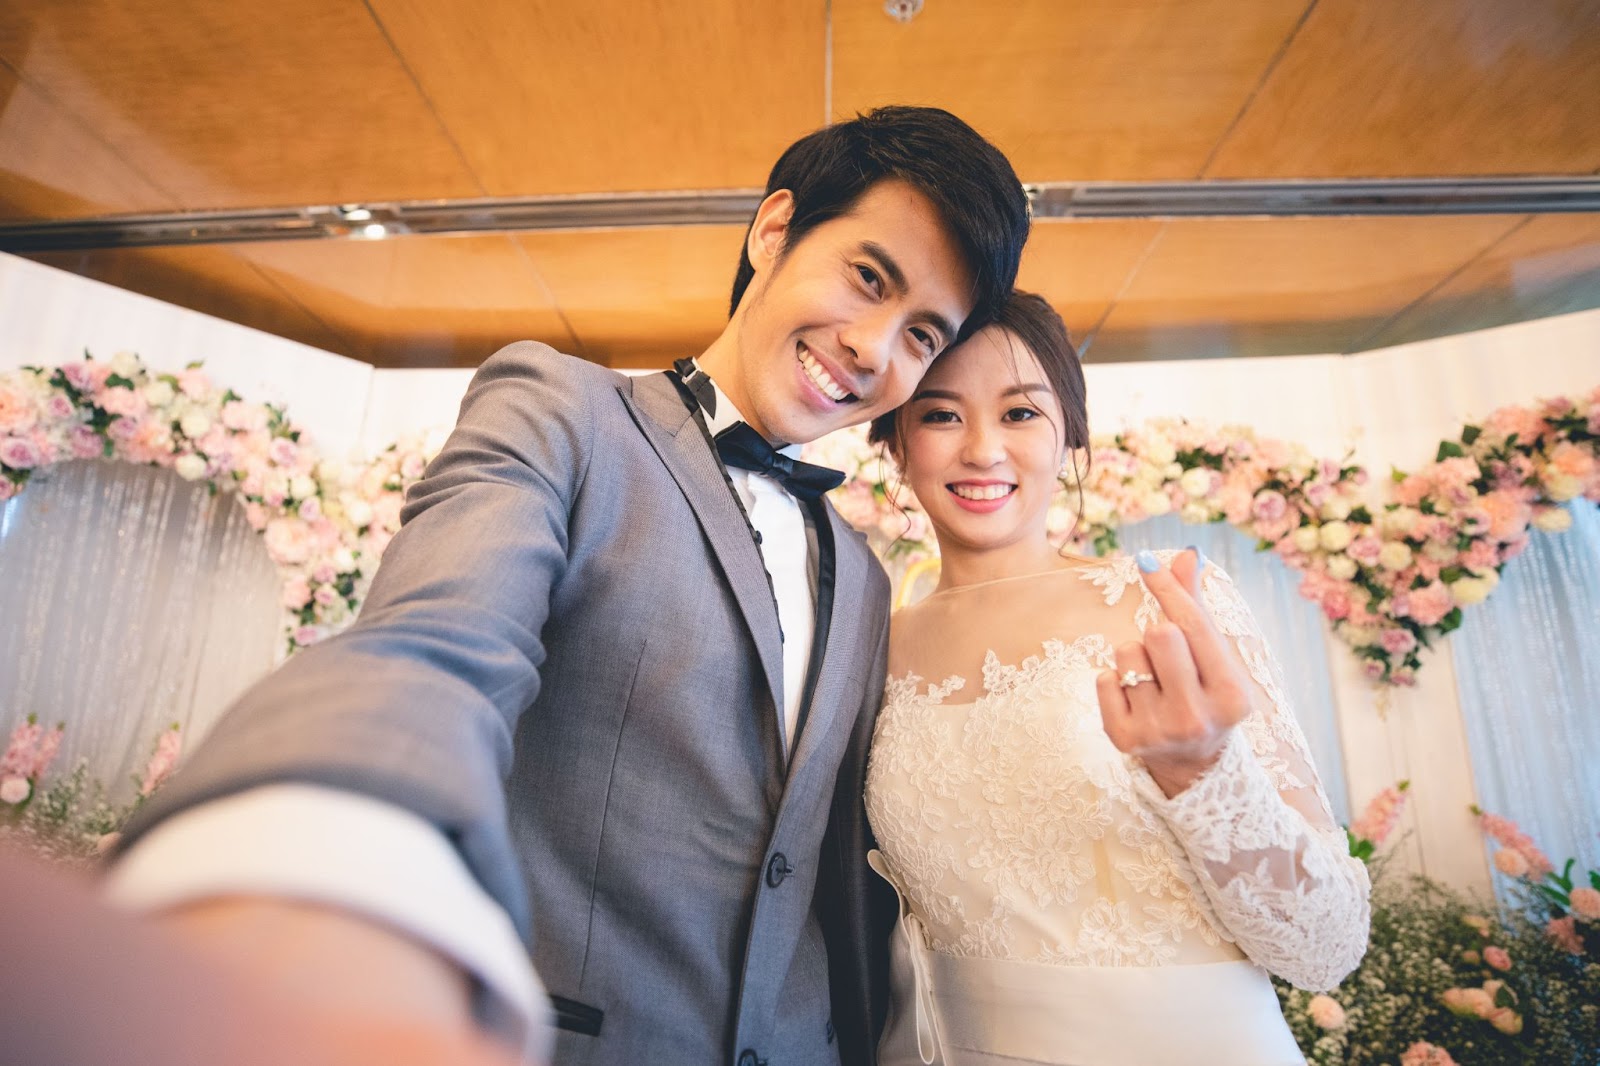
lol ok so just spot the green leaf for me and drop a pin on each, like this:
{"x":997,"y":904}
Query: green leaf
{"x":1451,"y":622}
{"x":1470,"y":434}
{"x":1449,"y":449}
{"x":117,"y":381}
{"x":1451,"y":573}
{"x":1361,"y":515}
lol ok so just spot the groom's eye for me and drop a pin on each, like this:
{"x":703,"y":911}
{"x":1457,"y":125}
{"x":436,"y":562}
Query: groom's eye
{"x":870,"y":278}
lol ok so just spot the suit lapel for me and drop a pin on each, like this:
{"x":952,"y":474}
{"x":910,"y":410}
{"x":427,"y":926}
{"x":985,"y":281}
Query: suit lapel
{"x":841,"y":644}
{"x":665,"y":420}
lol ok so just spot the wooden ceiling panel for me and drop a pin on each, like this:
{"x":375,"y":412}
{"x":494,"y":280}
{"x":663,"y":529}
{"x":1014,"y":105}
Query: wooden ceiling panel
{"x":1548,"y":266}
{"x":205,"y":278}
{"x":551,"y":96}
{"x":243,"y":104}
{"x":1080,"y":267}
{"x":1378,"y":88}
{"x":1087,"y":91}
{"x":51,"y":167}
{"x":644,"y":297}
{"x":417,"y":301}
{"x":1283,"y":286}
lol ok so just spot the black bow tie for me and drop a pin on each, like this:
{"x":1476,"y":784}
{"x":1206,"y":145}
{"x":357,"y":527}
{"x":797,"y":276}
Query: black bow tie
{"x":741,"y":446}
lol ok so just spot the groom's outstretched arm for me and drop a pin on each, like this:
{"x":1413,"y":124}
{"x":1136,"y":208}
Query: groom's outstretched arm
{"x":415,"y":706}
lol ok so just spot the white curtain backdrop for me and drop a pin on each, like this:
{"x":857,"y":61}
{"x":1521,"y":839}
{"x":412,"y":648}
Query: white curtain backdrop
{"x":132,"y":599}
{"x":1528,"y":667}
{"x":1292,"y":625}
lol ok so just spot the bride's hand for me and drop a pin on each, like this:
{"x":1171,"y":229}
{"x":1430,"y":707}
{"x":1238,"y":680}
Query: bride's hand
{"x":1191,"y":690}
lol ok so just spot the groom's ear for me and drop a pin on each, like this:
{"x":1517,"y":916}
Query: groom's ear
{"x":769,"y":233}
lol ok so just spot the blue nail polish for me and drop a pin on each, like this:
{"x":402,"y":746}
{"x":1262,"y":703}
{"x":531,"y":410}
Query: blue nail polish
{"x":1199,"y":557}
{"x":1147,"y":562}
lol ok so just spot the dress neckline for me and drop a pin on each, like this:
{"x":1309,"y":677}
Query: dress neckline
{"x":1080,"y":563}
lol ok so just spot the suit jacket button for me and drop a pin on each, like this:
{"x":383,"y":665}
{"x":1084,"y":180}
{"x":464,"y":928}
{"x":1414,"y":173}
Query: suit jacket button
{"x":748,"y":1057}
{"x":778,"y":869}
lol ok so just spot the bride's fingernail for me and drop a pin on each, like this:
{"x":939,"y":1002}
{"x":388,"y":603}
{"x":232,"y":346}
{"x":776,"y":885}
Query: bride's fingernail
{"x":1147,"y":562}
{"x":1199,"y":557}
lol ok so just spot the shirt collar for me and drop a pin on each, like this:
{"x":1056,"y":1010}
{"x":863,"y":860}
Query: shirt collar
{"x":728,"y":415}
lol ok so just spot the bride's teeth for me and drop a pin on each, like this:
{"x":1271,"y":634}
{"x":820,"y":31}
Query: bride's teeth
{"x":824,"y":381}
{"x":984,"y":492}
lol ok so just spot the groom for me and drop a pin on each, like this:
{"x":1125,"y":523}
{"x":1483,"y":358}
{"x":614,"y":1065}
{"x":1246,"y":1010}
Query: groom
{"x":618,"y":671}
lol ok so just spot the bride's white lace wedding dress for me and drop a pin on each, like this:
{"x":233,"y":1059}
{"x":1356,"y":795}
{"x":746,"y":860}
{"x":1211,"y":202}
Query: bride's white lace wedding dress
{"x":1056,"y":906}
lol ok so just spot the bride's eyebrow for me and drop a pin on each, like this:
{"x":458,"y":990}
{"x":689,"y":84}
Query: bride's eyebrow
{"x":935,"y":394}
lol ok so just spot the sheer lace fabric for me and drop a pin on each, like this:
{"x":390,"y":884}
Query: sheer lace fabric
{"x":1017,"y":831}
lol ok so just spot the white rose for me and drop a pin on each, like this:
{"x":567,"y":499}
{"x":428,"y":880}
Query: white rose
{"x":1096,"y":509}
{"x":1402,"y":520}
{"x":1306,"y":538}
{"x":344,"y":560}
{"x":1159,"y":450}
{"x":1341,"y":566}
{"x":1469,"y":590}
{"x":1394,"y":555}
{"x":1440,"y":553}
{"x":1360,"y":636}
{"x":1195,"y":513}
{"x":1561,"y":487}
{"x":125,"y":365}
{"x":1553,"y":520}
{"x":1489,"y":576}
{"x":195,"y":423}
{"x":1337,"y":509}
{"x":1195,"y":482}
{"x":275,"y":484}
{"x":358,"y":511}
{"x":158,"y":394}
{"x":1172,"y":471}
{"x":302,"y":487}
{"x":190,"y":467}
{"x":1336,"y":536}
{"x":1156,"y":504}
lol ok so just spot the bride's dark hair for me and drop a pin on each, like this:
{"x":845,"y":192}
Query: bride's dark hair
{"x":1031,"y":320}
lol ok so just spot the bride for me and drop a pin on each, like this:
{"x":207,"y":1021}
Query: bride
{"x":1086,"y":783}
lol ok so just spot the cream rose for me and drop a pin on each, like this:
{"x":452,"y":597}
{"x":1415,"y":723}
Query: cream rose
{"x":1342,"y":567}
{"x":125,"y":365}
{"x":1336,"y":536}
{"x":1395,"y":556}
{"x":190,"y":467}
{"x":1552,"y":520}
{"x":1306,"y":538}
{"x":1156,"y":504}
{"x":1195,"y":481}
{"x":1337,"y":509}
{"x":1469,"y":590}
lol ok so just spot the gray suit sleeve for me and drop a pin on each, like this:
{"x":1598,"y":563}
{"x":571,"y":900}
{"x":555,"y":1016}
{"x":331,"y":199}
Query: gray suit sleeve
{"x":417,"y":702}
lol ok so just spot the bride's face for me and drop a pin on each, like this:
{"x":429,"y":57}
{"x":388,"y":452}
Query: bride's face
{"x":982,"y":444}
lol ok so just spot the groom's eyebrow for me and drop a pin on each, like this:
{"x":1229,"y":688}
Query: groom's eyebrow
{"x":897,"y":279}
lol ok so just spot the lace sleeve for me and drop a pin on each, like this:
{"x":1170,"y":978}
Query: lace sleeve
{"x":1259,"y":832}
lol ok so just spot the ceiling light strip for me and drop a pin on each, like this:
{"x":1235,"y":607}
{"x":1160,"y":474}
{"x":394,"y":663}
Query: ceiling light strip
{"x":1051,"y":200}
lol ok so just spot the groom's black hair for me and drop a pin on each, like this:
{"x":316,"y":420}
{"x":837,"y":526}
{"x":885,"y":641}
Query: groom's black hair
{"x":969,"y":182}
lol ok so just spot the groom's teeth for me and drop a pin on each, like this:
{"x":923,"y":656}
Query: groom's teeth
{"x":981,"y":492}
{"x":824,"y":381}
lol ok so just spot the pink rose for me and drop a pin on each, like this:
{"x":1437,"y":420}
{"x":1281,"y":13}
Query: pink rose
{"x":1497,"y":957}
{"x":1427,"y":605}
{"x":283,"y":451}
{"x":127,"y":403}
{"x":193,"y":383}
{"x":1336,"y":603}
{"x":1585,"y":903}
{"x":1365,"y":549}
{"x":1269,"y":506}
{"x":1397,"y":641}
{"x":1511,"y":862}
{"x":288,"y":540}
{"x":20,"y":453}
{"x":296,"y":593}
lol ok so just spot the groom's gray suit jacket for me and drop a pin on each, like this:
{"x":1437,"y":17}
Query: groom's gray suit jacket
{"x":570,"y":662}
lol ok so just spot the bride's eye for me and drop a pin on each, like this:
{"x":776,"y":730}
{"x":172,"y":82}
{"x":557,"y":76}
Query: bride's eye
{"x":938,"y":417}
{"x":1022,"y":414}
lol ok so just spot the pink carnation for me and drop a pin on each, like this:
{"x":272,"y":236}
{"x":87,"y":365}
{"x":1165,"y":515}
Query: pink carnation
{"x":1427,"y":605}
{"x":1378,"y":820}
{"x":1508,"y":511}
{"x":1423,"y":1053}
{"x":1563,"y":932}
{"x":1506,"y":833}
{"x":1497,"y":957}
{"x":1326,"y":1012}
{"x":1398,"y":641}
{"x":126,"y":403}
{"x":21,"y":749}
{"x":1585,"y":903}
{"x":161,"y":764}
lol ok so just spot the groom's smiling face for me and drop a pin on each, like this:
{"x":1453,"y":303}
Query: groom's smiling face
{"x":841,"y":326}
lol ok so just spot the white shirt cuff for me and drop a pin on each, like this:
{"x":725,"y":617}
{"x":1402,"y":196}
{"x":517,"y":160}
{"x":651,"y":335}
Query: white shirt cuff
{"x":341,"y":848}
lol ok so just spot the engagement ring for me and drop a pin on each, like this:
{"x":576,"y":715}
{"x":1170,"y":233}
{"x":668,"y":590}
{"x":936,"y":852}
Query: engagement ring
{"x":1131,"y":678}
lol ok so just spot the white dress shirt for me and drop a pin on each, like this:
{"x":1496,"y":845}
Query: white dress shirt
{"x":345,"y":849}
